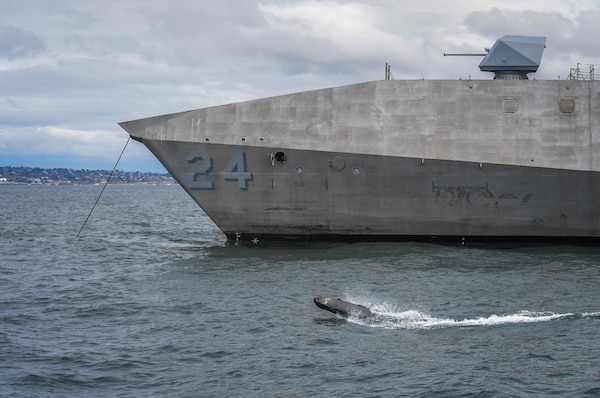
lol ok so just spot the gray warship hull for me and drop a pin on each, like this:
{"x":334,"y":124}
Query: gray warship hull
{"x":454,"y":161}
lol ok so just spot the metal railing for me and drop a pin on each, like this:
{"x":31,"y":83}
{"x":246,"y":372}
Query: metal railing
{"x":388,"y":72}
{"x":583,"y":72}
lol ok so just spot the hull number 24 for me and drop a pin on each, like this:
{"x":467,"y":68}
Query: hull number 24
{"x":199,"y":174}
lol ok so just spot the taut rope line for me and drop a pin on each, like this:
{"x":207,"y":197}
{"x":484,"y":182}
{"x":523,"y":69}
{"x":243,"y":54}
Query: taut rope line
{"x":104,"y":187}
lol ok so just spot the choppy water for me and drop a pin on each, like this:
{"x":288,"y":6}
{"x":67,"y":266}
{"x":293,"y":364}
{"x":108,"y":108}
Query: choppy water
{"x":147,"y":302}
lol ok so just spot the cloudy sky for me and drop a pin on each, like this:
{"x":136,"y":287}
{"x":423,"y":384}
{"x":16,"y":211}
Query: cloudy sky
{"x":71,"y":70}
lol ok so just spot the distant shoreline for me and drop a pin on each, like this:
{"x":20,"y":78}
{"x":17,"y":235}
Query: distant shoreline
{"x":65,"y":176}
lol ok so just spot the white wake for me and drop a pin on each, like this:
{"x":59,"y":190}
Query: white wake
{"x":386,"y":316}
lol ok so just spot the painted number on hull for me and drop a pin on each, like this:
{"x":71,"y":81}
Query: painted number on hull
{"x":203,"y":167}
{"x":235,"y":170}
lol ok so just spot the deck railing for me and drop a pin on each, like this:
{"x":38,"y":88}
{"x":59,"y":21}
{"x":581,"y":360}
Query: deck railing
{"x":583,"y":72}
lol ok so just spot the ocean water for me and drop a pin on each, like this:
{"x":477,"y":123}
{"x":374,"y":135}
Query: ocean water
{"x":149,"y":302}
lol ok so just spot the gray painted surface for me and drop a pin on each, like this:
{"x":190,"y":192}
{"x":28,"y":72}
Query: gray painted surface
{"x":497,"y":158}
{"x":518,"y":54}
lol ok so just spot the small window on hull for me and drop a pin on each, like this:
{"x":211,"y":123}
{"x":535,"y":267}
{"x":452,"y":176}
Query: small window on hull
{"x":510,"y":105}
{"x":280,"y":157}
{"x":566,"y":106}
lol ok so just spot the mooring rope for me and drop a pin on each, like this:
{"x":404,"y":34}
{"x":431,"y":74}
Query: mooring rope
{"x":104,"y":187}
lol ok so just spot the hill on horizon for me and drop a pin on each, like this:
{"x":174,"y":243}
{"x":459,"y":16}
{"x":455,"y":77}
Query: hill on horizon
{"x":38,"y":175}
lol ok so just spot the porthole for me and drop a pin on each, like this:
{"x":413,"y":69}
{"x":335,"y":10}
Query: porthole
{"x":337,"y":163}
{"x":566,"y":105}
{"x":510,"y":105}
{"x":243,"y":139}
{"x":299,"y":169}
{"x":356,"y":170}
{"x":280,"y":157}
{"x":207,"y":139}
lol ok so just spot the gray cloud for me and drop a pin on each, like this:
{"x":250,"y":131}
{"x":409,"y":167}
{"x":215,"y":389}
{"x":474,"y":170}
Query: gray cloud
{"x":19,"y":43}
{"x":495,"y":22}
